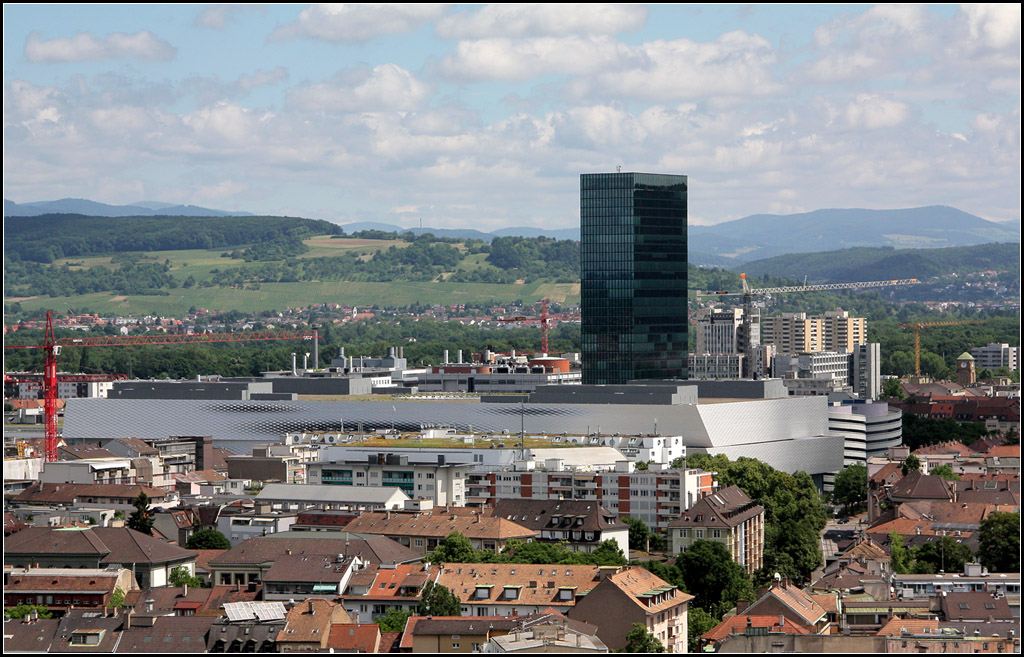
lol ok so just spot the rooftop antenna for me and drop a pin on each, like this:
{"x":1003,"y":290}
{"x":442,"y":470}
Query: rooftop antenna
{"x":618,"y":169}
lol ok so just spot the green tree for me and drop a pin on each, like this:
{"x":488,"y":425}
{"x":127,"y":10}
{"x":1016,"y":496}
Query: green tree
{"x":608,"y":553}
{"x":642,"y":465}
{"x":713,"y":578}
{"x":698,"y":622}
{"x":141,"y":519}
{"x":393,"y":621}
{"x":910,"y":464}
{"x":640,"y":640}
{"x":116,"y":598}
{"x":20,"y":611}
{"x":944,"y":554}
{"x":208,"y":539}
{"x":851,"y":485}
{"x":180,"y":576}
{"x":455,"y":548}
{"x":438,"y":600}
{"x":899,"y":554}
{"x":999,"y":542}
{"x":945,"y":471}
{"x":639,"y":533}
{"x":892,"y":389}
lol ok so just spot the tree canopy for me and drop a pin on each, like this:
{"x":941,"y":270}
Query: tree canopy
{"x":794,"y":513}
{"x":851,"y":485}
{"x":208,"y":539}
{"x":141,"y":520}
{"x":438,"y":600}
{"x":713,"y":578}
{"x":640,"y":640}
{"x":999,"y":542}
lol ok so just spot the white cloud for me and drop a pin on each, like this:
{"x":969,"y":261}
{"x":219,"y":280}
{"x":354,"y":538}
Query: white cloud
{"x":85,"y":47}
{"x":217,"y":17}
{"x":872,"y":112}
{"x":357,"y":22}
{"x":385,"y":87}
{"x":533,"y":20}
{"x":736,"y":63}
{"x":522,"y":59}
{"x":993,"y":26}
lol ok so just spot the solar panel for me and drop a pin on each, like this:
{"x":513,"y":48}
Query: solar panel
{"x":263,"y":611}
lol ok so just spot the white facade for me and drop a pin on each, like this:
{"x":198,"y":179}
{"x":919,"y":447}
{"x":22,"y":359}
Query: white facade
{"x":870,"y":429}
{"x":715,"y":366}
{"x":89,"y":471}
{"x":243,"y":526}
{"x":994,"y":356}
{"x":812,"y":373}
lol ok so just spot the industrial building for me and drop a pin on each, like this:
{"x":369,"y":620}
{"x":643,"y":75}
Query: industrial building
{"x":735,"y":418}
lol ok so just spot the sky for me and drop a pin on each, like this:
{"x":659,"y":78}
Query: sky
{"x":484,"y":116}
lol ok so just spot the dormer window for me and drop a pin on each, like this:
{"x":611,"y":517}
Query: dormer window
{"x":482,"y":592}
{"x":511,"y":593}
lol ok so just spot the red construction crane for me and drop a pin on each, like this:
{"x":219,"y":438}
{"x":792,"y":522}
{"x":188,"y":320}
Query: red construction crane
{"x":544,"y":321}
{"x":52,"y":347}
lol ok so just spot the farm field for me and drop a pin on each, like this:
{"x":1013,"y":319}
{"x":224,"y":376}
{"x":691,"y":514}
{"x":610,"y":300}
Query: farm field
{"x":277,"y":296}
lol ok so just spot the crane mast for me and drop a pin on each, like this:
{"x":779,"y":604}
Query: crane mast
{"x":52,"y":347}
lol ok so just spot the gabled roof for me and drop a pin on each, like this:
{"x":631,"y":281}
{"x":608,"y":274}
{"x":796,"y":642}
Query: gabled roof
{"x":553,"y":514}
{"x":438,"y":525}
{"x":168,"y":634}
{"x":803,"y":604}
{"x":390,"y":583}
{"x":866,"y":549}
{"x":899,"y":626}
{"x":647,"y":590}
{"x":34,"y":636}
{"x":975,"y":606}
{"x":727,"y":507}
{"x":537,"y":584}
{"x":44,"y":493}
{"x":118,"y":545}
{"x":265,"y":549}
{"x":921,"y":486}
{"x":311,"y":621}
{"x":355,"y":637}
{"x":739,"y":625}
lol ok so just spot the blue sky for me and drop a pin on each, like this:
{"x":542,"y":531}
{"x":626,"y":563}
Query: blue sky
{"x":484,"y":116}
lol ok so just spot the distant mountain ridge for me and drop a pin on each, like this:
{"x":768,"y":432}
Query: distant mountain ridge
{"x":762,"y":236}
{"x":94,"y":209}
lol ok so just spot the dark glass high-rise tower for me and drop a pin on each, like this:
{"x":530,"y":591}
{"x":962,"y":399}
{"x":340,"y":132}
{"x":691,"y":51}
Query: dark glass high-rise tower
{"x":633,"y":234}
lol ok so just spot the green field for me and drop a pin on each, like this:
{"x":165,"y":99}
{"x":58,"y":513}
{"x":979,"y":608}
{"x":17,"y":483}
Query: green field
{"x":278,"y":296}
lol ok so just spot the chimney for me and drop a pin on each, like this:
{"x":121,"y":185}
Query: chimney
{"x":311,"y":605}
{"x":184,"y":590}
{"x":782,"y":621}
{"x":295,"y":372}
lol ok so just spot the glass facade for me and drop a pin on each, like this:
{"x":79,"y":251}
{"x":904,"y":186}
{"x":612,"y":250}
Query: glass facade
{"x":633,"y":296}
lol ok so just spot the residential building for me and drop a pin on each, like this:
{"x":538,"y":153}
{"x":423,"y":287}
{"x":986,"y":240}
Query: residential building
{"x":993,"y":356}
{"x":657,"y":495}
{"x":453,"y":634}
{"x":813,"y":612}
{"x":424,"y":531}
{"x":866,"y":370}
{"x":308,"y":625}
{"x":150,"y":559}
{"x":502,"y":589}
{"x":581,"y":525}
{"x":65,"y":587}
{"x":633,"y":276}
{"x":549,"y":631}
{"x":253,"y":559}
{"x":796,"y":333}
{"x":297,"y":497}
{"x":116,"y":495}
{"x":376,"y":590}
{"x":441,"y":481}
{"x":240,"y":527}
{"x":635,"y":595}
{"x":114,"y":471}
{"x":296,"y":576}
{"x":974,"y":578}
{"x":728,"y":516}
{"x":269,"y":463}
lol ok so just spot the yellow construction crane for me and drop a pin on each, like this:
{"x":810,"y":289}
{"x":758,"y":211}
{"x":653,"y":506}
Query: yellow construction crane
{"x":748,"y":305}
{"x":917,"y":326}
